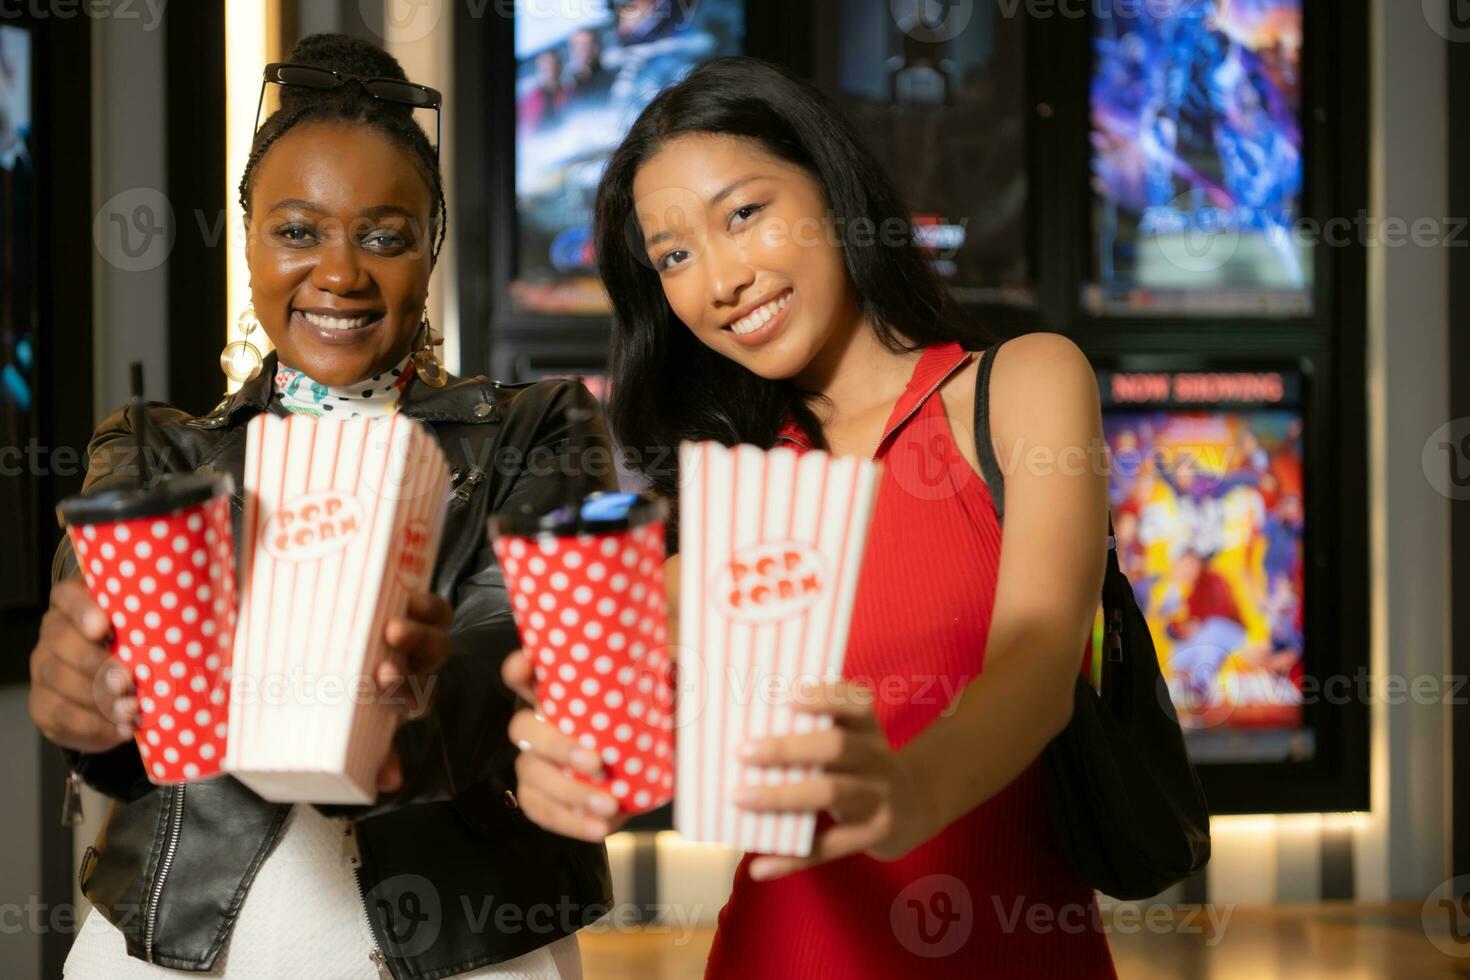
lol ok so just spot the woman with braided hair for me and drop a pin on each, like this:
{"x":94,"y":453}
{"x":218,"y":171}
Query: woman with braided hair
{"x":442,"y":875}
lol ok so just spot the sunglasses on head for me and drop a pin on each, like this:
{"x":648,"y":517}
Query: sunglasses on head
{"x":392,"y":90}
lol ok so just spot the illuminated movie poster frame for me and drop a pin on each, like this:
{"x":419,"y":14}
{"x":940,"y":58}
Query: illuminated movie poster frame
{"x":62,"y":418}
{"x":1010,"y":140}
{"x":484,"y":199}
{"x":23,"y":577}
{"x":1181,"y":483}
{"x":1333,"y":775}
{"x":563,"y":141}
{"x":1207,"y":242}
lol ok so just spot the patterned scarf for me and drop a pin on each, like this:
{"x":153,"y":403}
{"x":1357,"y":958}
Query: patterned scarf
{"x":375,"y":396}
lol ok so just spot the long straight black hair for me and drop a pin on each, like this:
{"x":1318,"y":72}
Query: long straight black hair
{"x":667,"y":386}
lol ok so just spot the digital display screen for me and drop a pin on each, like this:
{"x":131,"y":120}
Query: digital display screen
{"x":18,"y":244}
{"x":1207,"y":494}
{"x":941,"y":101}
{"x":1197,"y":158}
{"x":584,"y":72}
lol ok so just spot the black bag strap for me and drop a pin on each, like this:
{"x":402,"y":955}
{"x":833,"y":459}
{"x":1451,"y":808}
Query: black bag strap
{"x":1123,"y":744}
{"x":985,"y":447}
{"x":1115,"y":586}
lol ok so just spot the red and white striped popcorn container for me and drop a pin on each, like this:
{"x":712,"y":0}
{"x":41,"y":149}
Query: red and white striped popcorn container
{"x":587,"y":593}
{"x":343,"y":519}
{"x":160,"y":562}
{"x":771,"y":543}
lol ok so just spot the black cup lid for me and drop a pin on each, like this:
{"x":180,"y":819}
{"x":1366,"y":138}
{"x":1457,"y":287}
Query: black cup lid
{"x":600,"y":513}
{"x":172,"y":492}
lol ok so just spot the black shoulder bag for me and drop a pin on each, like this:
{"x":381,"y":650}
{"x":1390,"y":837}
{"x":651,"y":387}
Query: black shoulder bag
{"x":1130,"y":815}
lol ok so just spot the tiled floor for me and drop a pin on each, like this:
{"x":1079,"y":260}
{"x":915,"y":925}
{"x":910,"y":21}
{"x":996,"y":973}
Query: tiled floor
{"x":1329,"y":940}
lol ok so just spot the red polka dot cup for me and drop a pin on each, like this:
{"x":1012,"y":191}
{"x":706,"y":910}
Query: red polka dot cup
{"x":587,"y":593}
{"x":160,"y":563}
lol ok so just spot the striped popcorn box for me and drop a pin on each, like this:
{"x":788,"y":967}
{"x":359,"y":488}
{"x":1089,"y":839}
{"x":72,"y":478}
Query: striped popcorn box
{"x":771,"y":545}
{"x":342,"y":521}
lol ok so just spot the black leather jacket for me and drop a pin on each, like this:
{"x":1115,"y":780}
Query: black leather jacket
{"x":452,"y":875}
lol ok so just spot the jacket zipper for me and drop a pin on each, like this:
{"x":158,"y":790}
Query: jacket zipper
{"x":917,"y":405}
{"x":354,"y":859}
{"x":176,"y":824}
{"x":467,"y":486}
{"x":71,"y":802}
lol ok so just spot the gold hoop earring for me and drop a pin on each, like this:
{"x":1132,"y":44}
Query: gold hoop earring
{"x":241,"y":360}
{"x":425,"y":364}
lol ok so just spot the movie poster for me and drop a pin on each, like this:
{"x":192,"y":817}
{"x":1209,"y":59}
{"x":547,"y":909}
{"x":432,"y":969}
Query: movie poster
{"x":1197,"y":158}
{"x":583,"y":73}
{"x":944,"y":109}
{"x":1206,"y":490}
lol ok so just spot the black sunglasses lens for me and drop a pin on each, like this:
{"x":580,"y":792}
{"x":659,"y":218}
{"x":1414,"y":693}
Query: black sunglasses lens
{"x":306,"y":76}
{"x":399,"y":92}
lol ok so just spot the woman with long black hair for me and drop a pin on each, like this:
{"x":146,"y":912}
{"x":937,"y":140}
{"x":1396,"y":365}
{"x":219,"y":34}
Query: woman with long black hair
{"x":767,"y":289}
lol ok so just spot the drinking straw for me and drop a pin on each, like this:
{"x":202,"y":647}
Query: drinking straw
{"x":139,"y":413}
{"x":577,"y":419}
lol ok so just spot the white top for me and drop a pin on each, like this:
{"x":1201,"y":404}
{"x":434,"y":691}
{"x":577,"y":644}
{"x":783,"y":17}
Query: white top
{"x":302,"y":917}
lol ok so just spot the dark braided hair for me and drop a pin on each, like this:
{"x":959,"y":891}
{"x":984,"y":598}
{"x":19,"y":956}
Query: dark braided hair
{"x":349,"y":104}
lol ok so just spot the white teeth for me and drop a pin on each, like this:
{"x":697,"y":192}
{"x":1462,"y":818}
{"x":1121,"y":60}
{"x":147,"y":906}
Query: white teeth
{"x":337,"y":322}
{"x":760,"y":317}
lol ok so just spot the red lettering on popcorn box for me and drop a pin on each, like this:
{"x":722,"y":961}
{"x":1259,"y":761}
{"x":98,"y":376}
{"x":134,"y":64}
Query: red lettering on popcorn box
{"x":772,"y":581}
{"x":311,"y":526}
{"x":412,"y":563}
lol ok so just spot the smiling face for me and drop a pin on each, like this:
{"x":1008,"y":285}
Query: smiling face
{"x":745,"y":250}
{"x":340,"y":250}
{"x":584,"y":48}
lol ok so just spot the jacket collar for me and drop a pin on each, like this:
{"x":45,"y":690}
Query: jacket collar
{"x":468,"y":400}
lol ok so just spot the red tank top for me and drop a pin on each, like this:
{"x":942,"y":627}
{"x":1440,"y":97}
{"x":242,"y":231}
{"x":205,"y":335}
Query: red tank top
{"x":987,"y":897}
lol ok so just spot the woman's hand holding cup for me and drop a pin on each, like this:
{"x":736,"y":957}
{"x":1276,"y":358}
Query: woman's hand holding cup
{"x":81,"y":697}
{"x":548,"y":796}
